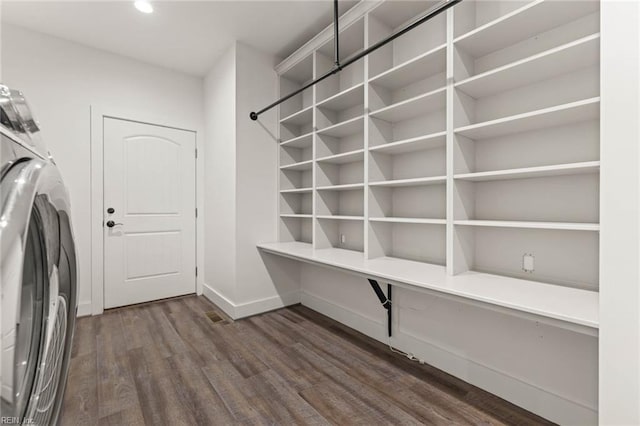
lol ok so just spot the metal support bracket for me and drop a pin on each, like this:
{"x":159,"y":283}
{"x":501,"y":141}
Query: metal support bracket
{"x":385,"y":300}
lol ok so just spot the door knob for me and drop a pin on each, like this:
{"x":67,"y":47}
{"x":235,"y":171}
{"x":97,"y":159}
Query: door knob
{"x":111,"y":224}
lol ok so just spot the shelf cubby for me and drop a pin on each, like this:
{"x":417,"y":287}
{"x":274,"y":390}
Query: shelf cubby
{"x":303,"y":141}
{"x":563,"y":255}
{"x":571,"y":148}
{"x":296,"y":228}
{"x":344,"y":233}
{"x":565,"y":198}
{"x":342,"y":173}
{"x":482,"y":28}
{"x":559,"y":115}
{"x":296,"y":180}
{"x":341,"y":107}
{"x":291,"y":155}
{"x":426,"y":163}
{"x":292,"y":80}
{"x":296,"y":203}
{"x":351,"y":41}
{"x":408,"y":202}
{"x":422,"y":242}
{"x":563,"y":59}
{"x":391,"y":16}
{"x":349,"y":203}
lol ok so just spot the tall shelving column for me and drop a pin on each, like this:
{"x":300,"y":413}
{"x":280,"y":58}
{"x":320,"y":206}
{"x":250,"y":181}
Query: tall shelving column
{"x":406,"y":136}
{"x":339,"y":150}
{"x":295,"y":204}
{"x":526,"y":141}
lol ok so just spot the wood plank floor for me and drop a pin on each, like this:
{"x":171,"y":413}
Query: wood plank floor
{"x":168,"y":363}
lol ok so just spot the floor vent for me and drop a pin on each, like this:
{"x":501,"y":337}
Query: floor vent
{"x":214,"y":317}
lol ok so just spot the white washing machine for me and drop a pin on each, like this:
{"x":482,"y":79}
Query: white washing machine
{"x":37,"y":271}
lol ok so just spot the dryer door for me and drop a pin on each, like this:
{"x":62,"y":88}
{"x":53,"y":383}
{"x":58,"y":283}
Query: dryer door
{"x":38,"y":291}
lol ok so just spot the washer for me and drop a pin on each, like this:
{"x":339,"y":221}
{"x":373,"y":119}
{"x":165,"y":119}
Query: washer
{"x":37,"y":271}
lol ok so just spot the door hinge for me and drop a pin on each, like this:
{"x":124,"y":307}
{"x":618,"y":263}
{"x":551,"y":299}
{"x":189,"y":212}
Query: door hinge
{"x":196,"y":271}
{"x":196,"y":152}
{"x":196,"y":212}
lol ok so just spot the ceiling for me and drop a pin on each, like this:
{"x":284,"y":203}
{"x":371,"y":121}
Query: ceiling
{"x":186,"y":36}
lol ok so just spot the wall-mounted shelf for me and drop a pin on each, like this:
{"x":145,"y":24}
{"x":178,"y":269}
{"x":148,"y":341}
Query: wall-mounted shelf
{"x":433,"y":140}
{"x":408,"y":220}
{"x":524,"y":23}
{"x":532,"y":172}
{"x":299,"y":142}
{"x":345,"y":128}
{"x":346,"y":157}
{"x":296,"y":190}
{"x":572,"y":112}
{"x":348,"y":98}
{"x":303,"y":165}
{"x":592,"y":227}
{"x":340,"y":217}
{"x":346,"y":187}
{"x":414,"y":107}
{"x":564,"y":304}
{"x":413,"y":70}
{"x":431,"y":180}
{"x":298,"y":118}
{"x":294,"y":215}
{"x":553,"y":62}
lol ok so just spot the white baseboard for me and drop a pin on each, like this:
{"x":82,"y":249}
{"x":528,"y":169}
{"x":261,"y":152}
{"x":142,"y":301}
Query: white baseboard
{"x":254,"y":307}
{"x":540,"y":401}
{"x":84,"y":309}
{"x":219,"y":300}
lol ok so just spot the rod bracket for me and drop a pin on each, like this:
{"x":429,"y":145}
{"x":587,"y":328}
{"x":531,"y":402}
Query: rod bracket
{"x":384,"y":299}
{"x":253,"y":116}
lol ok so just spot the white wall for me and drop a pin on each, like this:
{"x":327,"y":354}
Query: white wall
{"x":545,"y":369}
{"x":61,"y":80}
{"x":241,"y":184}
{"x":620,"y":215}
{"x":220,"y":177}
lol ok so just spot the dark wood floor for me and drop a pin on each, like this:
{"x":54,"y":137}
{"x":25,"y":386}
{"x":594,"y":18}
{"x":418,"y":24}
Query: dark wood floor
{"x":168,"y":363}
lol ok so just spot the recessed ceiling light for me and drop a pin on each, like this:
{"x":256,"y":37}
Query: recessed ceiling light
{"x":143,"y":6}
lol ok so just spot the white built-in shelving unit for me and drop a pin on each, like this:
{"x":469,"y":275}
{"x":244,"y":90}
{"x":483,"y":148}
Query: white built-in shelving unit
{"x":464,"y":145}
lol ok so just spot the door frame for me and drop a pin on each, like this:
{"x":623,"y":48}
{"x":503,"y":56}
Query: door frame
{"x":97,"y":117}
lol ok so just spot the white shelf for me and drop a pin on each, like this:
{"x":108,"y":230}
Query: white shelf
{"x":419,"y":68}
{"x":303,"y":165}
{"x":409,"y":220}
{"x":340,"y":217}
{"x":434,"y":140}
{"x":432,"y":180}
{"x":296,"y":215}
{"x":299,"y":141}
{"x":296,"y":190}
{"x":532,"y":172}
{"x":528,"y":21}
{"x":345,"y":187}
{"x":560,"y":60}
{"x":563,"y":226}
{"x":349,"y":98}
{"x":544,"y":118}
{"x":304,"y":116}
{"x":564,"y":304}
{"x":345,"y":128}
{"x":345,"y":157}
{"x":414,"y":107}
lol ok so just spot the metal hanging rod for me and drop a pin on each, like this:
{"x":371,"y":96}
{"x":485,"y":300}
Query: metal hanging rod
{"x":431,"y":13}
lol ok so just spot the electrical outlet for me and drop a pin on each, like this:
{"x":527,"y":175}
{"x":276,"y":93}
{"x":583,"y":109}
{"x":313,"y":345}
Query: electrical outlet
{"x":343,"y":238}
{"x":528,"y":262}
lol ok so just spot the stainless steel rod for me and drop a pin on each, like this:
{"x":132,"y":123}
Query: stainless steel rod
{"x":431,"y":13}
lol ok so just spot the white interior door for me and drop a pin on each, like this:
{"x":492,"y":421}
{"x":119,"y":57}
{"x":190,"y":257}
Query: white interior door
{"x":149,"y":182}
